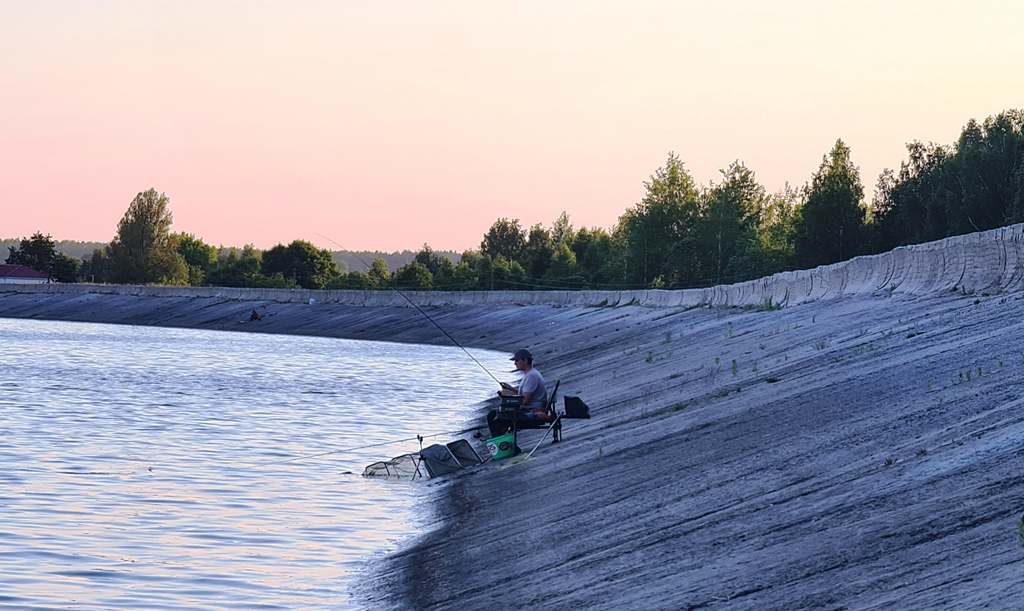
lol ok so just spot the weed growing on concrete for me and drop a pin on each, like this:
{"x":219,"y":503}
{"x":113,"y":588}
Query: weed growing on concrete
{"x":821,"y":344}
{"x":771,"y":380}
{"x":999,"y":363}
{"x":650,"y":357}
{"x":922,"y":452}
{"x":889,"y":461}
{"x":733,"y":368}
{"x":768,"y":306}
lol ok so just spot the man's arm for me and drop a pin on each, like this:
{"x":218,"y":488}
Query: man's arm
{"x":528,"y":389}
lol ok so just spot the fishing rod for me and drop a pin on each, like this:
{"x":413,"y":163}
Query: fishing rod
{"x":420,"y":310}
{"x":294,"y":458}
{"x":372,"y":445}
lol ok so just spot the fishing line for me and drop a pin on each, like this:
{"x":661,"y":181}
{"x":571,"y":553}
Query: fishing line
{"x":420,"y":310}
{"x":372,"y":445}
{"x":150,"y":470}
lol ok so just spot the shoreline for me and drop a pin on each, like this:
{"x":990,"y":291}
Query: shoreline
{"x":823,"y":454}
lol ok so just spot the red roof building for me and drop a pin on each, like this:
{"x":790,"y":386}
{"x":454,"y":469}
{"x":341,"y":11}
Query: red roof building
{"x":20,"y":274}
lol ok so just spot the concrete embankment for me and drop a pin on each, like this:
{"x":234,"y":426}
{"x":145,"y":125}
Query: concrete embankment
{"x":858,"y":448}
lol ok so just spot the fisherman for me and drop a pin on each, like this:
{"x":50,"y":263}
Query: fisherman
{"x":532,"y":392}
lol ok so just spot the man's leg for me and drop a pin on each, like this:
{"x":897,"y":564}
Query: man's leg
{"x":497,"y":426}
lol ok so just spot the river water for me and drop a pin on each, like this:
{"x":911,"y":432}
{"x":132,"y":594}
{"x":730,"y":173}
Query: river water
{"x":143,"y":467}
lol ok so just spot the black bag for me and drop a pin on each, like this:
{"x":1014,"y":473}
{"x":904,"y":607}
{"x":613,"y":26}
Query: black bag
{"x":511,"y":403}
{"x":576,"y":408}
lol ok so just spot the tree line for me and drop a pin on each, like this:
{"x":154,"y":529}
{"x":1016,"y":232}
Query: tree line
{"x":680,"y":234}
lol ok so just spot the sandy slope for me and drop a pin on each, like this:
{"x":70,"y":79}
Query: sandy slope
{"x":858,"y":449}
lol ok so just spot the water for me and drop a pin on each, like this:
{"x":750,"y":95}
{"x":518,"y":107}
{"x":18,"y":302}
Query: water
{"x":140,"y":467}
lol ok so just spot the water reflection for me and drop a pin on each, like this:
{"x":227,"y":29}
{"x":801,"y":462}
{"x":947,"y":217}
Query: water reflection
{"x":141,"y":467}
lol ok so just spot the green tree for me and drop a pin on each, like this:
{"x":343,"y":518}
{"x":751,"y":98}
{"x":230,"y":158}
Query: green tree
{"x":36,"y":252}
{"x":562,"y":231}
{"x":499,"y":273}
{"x":728,"y":227}
{"x":505,"y":238}
{"x":379,"y":274}
{"x":64,"y":268}
{"x":466,"y":276}
{"x":414,"y":276}
{"x":562,"y":271}
{"x":976,"y":183}
{"x":597,"y":260}
{"x":536,"y":256}
{"x":775,"y":231}
{"x":914,"y":205}
{"x":987,"y":158}
{"x":831,"y":223}
{"x":300,"y":262}
{"x":243,"y":269}
{"x":440,"y":267}
{"x":143,"y":250}
{"x":40,"y":253}
{"x":658,"y":234}
{"x":356,"y":281}
{"x":97,"y":267}
{"x":199,"y":256}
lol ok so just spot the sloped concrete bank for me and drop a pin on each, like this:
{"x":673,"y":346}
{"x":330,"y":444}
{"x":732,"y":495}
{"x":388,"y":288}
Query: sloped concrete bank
{"x":859,"y":448}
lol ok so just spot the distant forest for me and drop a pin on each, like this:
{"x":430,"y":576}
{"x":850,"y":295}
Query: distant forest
{"x":680,"y":234}
{"x":345,"y":259}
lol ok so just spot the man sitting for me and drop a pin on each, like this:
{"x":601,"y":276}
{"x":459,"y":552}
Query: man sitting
{"x":532,"y":392}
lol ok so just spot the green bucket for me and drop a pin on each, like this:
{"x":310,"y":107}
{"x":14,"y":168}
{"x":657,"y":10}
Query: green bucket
{"x":502,"y":446}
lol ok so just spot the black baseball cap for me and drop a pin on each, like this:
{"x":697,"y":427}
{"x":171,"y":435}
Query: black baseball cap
{"x":522,"y":353}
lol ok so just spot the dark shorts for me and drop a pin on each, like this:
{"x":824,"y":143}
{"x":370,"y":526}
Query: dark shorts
{"x":500,"y":423}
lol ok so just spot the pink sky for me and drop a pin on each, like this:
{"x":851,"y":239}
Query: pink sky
{"x":388,"y":124}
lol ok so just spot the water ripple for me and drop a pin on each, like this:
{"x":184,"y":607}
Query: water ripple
{"x":142,"y":468}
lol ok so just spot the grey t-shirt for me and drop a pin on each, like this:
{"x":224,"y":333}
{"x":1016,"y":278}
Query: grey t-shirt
{"x":533,"y":383}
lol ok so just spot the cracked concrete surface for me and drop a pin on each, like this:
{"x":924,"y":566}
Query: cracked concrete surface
{"x":860,"y":448}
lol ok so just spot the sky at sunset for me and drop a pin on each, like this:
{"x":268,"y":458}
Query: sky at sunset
{"x":385,"y":125}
